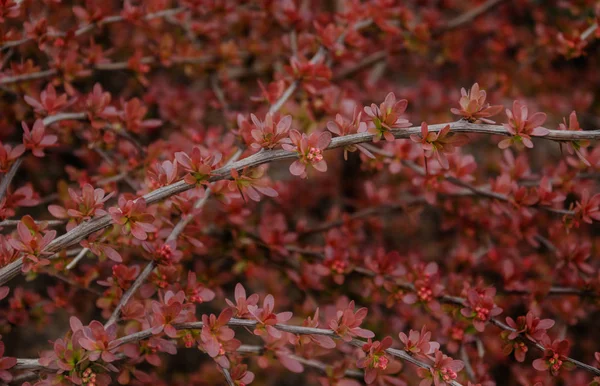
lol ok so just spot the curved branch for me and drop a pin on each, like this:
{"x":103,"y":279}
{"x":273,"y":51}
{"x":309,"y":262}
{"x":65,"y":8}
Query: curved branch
{"x":85,"y":229}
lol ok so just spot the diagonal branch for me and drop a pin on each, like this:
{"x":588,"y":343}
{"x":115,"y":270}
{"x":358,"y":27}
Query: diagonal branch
{"x":589,"y":31}
{"x":469,"y":16}
{"x":6,"y":180}
{"x":85,"y":229}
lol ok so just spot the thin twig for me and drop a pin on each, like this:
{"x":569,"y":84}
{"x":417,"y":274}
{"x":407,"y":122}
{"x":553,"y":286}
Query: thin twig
{"x":214,"y":81}
{"x":73,"y":283}
{"x":227,"y":375}
{"x":483,"y":192}
{"x":79,"y":256}
{"x":325,"y":367}
{"x":373,"y":211}
{"x":589,"y":31}
{"x":9,"y":176}
{"x":34,"y":364}
{"x":130,"y":292}
{"x":294,"y":43}
{"x":378,"y":56}
{"x":27,"y":76}
{"x":367,"y":61}
{"x":115,"y":66}
{"x":469,"y":16}
{"x":13,"y":223}
{"x":455,"y":300}
{"x":464,"y":356}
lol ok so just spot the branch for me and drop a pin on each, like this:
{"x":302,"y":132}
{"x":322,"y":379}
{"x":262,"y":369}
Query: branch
{"x":27,"y":77}
{"x":464,"y":356}
{"x":14,"y":223}
{"x":85,"y":229}
{"x":298,"y":330}
{"x":89,"y":27}
{"x":72,"y":282}
{"x":384,"y":209}
{"x":485,"y":192}
{"x":227,"y":375}
{"x":33,"y":364}
{"x":469,"y":16}
{"x":324,"y":367}
{"x":6,"y":180}
{"x":367,"y":61}
{"x":79,"y":256}
{"x":557,"y":291}
{"x":130,"y":292}
{"x":115,"y":66}
{"x":387,"y":209}
{"x":588,"y":32}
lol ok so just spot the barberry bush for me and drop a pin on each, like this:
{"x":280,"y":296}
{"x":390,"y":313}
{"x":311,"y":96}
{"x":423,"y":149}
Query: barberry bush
{"x":333,"y":193}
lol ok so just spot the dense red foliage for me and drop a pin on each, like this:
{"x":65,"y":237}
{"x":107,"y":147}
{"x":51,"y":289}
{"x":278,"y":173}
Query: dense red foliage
{"x":182,"y":201}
